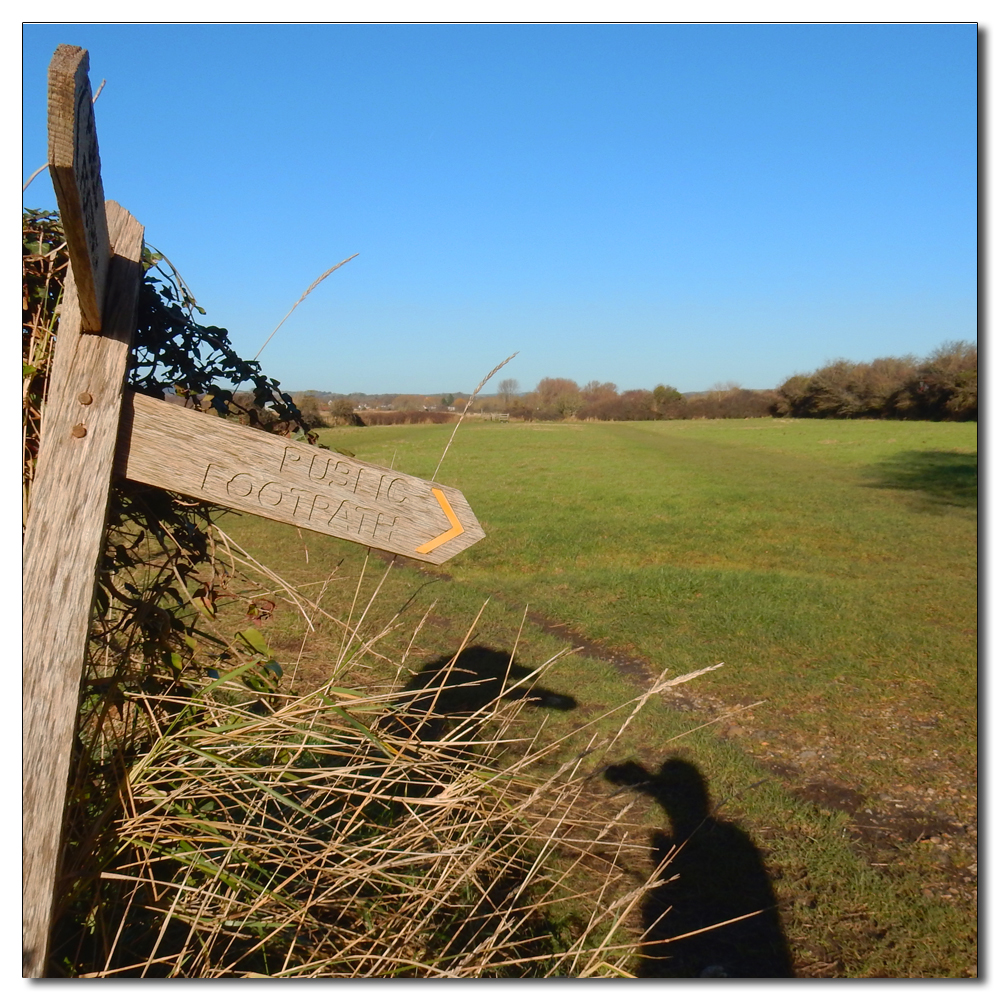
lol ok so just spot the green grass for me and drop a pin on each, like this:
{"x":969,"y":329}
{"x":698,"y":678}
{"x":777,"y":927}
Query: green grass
{"x":826,"y":589}
{"x":830,"y":564}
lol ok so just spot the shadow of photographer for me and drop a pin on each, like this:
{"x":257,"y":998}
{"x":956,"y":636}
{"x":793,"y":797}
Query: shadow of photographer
{"x":713,"y":874}
{"x":453,"y":689}
{"x":440,"y":712}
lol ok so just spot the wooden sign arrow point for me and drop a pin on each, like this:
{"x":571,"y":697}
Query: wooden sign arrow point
{"x":454,"y":531}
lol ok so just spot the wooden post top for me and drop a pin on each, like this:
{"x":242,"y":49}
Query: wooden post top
{"x":75,"y":167}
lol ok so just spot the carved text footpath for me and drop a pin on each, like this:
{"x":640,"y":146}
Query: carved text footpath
{"x":240,"y":468}
{"x":320,"y":507}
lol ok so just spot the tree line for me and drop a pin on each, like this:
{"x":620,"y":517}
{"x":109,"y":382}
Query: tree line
{"x":942,"y":386}
{"x":561,"y":399}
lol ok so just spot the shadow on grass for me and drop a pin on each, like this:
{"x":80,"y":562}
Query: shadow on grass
{"x":452,"y":689}
{"x":944,"y":477}
{"x":715,"y":874}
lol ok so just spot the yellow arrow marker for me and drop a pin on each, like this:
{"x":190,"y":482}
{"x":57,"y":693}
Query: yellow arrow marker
{"x":454,"y":531}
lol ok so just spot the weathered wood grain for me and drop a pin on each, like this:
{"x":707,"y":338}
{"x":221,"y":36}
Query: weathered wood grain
{"x":62,"y":544}
{"x":75,"y":167}
{"x":202,"y":456}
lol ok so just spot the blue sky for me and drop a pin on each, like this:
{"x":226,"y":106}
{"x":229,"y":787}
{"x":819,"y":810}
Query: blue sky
{"x":688,"y":204}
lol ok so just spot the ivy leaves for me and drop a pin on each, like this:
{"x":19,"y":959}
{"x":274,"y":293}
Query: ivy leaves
{"x":172,"y":351}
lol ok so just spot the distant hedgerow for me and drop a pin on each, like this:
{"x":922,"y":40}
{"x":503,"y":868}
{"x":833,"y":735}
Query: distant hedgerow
{"x":943,"y":386}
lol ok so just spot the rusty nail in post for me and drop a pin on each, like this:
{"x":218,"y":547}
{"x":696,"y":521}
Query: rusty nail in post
{"x":79,"y":431}
{"x":85,"y":398}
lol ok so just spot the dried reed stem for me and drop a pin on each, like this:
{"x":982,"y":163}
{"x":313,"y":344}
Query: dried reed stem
{"x":322,"y":277}
{"x":466,"y":410}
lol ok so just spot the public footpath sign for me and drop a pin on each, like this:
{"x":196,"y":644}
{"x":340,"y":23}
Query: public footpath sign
{"x":93,"y":428}
{"x":202,"y":456}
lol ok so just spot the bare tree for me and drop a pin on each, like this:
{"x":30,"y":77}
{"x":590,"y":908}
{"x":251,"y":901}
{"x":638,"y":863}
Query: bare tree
{"x":597,"y":392}
{"x":561,"y":396}
{"x":508,"y":389}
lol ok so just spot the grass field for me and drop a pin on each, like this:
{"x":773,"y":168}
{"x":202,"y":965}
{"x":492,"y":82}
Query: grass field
{"x":832,"y":567}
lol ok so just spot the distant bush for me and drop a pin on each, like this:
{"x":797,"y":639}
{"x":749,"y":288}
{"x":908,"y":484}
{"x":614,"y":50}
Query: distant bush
{"x":382,"y":418}
{"x":665,"y":397}
{"x":666,"y":403}
{"x":342,"y":413}
{"x":308,"y":404}
{"x":525,"y":408}
{"x":557,"y":398}
{"x":944,"y":386}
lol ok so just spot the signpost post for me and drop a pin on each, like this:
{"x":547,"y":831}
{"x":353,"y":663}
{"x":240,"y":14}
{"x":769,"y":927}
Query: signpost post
{"x":69,"y":496}
{"x":92,"y":428}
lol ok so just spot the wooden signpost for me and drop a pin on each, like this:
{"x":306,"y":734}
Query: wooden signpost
{"x":91,"y":428}
{"x":201,"y":456}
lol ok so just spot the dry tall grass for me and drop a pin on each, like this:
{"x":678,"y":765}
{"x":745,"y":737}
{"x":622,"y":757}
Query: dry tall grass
{"x":239,"y":829}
